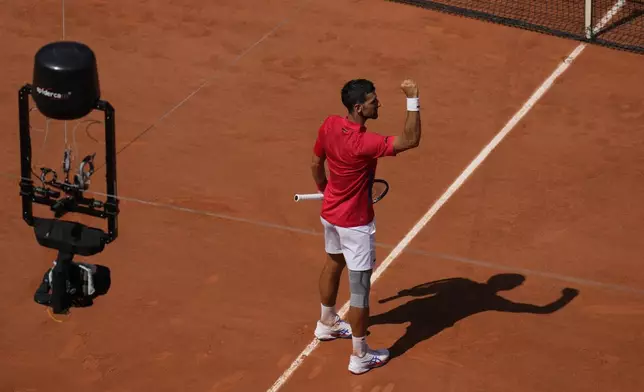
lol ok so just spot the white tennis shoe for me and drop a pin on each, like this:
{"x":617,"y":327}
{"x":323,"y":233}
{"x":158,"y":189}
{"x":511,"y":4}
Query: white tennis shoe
{"x":340,"y":329}
{"x":371,"y":360}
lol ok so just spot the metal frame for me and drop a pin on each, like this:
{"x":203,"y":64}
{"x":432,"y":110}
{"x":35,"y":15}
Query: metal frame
{"x":75,"y":201}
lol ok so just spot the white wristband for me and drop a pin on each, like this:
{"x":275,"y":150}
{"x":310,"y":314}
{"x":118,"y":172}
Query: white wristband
{"x":413,"y":105}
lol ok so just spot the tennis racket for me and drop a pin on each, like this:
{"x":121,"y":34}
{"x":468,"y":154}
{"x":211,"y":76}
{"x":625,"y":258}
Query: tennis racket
{"x":379,"y":189}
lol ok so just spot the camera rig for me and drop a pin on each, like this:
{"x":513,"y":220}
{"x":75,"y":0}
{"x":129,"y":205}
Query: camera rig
{"x":66,"y":87}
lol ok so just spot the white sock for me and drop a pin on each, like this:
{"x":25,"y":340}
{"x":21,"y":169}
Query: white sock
{"x":328,"y":314}
{"x":359,"y":346}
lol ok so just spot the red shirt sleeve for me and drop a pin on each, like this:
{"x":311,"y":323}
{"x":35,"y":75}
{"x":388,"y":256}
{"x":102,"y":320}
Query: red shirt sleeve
{"x":377,"y":146}
{"x":318,"y":147}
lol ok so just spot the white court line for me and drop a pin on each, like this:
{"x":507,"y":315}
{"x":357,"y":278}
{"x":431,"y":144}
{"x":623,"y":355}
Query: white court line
{"x":455,"y":186}
{"x":609,"y":15}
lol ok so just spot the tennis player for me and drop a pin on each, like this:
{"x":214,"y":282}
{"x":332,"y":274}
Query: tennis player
{"x":351,"y":153}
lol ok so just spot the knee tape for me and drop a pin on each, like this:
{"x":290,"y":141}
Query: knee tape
{"x":360,"y":285}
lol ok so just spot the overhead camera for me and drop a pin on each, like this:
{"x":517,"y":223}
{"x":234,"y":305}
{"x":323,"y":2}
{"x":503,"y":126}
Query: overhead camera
{"x":66,"y":87}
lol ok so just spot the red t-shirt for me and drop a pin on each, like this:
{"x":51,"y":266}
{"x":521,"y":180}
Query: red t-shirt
{"x":352,"y":155}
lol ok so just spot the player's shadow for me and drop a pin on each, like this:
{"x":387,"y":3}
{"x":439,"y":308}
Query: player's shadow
{"x":440,"y":304}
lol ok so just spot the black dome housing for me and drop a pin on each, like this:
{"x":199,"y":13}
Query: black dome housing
{"x":65,"y":80}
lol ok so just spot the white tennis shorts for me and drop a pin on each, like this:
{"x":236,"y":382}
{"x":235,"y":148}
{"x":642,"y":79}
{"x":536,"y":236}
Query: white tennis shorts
{"x":357,"y":244}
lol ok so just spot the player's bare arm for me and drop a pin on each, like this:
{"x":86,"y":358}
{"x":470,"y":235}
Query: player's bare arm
{"x":410,"y":137}
{"x":318,"y":172}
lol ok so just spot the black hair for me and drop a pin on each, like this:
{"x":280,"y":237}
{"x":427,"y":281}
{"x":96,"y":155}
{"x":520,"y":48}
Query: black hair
{"x":355,"y":92}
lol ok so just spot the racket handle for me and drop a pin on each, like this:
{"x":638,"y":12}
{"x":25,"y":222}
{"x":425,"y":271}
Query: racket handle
{"x":308,"y":196}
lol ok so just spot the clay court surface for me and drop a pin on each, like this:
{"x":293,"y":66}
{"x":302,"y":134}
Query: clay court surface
{"x":214,"y":274}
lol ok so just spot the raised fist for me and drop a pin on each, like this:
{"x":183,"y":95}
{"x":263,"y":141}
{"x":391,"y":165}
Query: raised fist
{"x":410,"y":88}
{"x":569,"y":293}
